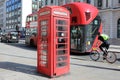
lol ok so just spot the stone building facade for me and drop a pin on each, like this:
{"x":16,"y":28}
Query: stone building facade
{"x":109,"y":12}
{"x":110,"y":15}
{"x":2,"y":15}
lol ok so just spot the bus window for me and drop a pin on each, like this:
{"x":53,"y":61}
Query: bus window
{"x":76,"y":37}
{"x":30,"y":31}
{"x":83,"y":36}
{"x":30,"y":18}
{"x":91,"y":32}
{"x":35,"y":18}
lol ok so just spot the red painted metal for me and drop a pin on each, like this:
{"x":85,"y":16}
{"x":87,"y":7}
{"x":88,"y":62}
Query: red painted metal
{"x":83,"y":14}
{"x":53,"y":58}
{"x":79,"y":10}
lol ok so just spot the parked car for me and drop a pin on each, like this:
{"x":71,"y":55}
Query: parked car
{"x":10,"y":37}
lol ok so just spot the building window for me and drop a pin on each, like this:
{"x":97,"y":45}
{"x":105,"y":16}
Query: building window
{"x":19,"y":12}
{"x":118,"y":28}
{"x":7,"y":10}
{"x":12,"y":1}
{"x":106,"y":3}
{"x":51,"y":1}
{"x":34,"y":6}
{"x":46,"y":2}
{"x":100,"y":3}
{"x":88,"y":1}
{"x":19,"y":19}
{"x":19,"y":5}
{"x":34,"y":0}
{"x":16,"y":6}
{"x":68,"y":1}
{"x":7,"y":3}
{"x":118,"y":1}
{"x":13,"y":7}
{"x":61,"y":2}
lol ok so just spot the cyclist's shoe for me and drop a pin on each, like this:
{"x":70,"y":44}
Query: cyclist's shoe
{"x":104,"y":56}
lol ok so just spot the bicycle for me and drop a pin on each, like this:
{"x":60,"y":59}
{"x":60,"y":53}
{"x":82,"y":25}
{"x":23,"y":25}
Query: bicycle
{"x":109,"y":55}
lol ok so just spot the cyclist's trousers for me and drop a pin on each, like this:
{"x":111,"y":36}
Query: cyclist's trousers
{"x":104,"y":44}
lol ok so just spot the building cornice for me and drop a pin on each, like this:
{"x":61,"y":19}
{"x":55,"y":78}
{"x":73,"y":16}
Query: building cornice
{"x":110,"y":9}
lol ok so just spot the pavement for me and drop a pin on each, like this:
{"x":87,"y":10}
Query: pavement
{"x":79,"y":69}
{"x":115,"y":48}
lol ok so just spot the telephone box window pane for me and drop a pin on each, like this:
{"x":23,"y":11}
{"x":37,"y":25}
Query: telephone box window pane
{"x":61,"y":58}
{"x":43,"y":33}
{"x":43,"y":57}
{"x":61,"y":46}
{"x":61,"y":52}
{"x":62,"y":22}
{"x":43,"y":46}
{"x":61,"y":34}
{"x":44,"y":63}
{"x":61,"y":40}
{"x":61,"y":64}
{"x":44,"y":40}
{"x":61,"y":28}
{"x":44,"y":52}
{"x":44,"y":22}
{"x":43,"y":28}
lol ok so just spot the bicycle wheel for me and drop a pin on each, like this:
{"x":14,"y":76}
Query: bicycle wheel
{"x":94,"y":55}
{"x":111,"y":57}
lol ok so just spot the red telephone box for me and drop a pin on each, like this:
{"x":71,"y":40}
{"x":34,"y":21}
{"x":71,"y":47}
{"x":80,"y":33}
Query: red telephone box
{"x":53,"y":51}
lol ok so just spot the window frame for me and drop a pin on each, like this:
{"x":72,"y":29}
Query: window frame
{"x":118,"y":1}
{"x":100,"y":3}
{"x":118,"y":31}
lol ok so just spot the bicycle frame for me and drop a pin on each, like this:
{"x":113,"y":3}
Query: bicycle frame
{"x":97,"y":47}
{"x":109,"y":56}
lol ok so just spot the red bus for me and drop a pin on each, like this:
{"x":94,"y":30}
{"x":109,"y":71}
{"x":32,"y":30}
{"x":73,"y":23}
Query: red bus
{"x":85,"y":23}
{"x":31,"y":29}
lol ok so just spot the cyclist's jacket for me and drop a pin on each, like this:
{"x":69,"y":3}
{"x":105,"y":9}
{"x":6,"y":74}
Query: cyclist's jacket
{"x":103,"y":37}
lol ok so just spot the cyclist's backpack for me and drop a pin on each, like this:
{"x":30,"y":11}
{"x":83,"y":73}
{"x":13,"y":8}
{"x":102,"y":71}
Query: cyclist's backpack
{"x":105,"y":37}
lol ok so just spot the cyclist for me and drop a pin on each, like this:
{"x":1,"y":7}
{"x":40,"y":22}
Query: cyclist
{"x":104,"y":39}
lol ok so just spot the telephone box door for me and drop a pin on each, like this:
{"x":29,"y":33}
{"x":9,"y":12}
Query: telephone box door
{"x":43,"y":49}
{"x":61,"y":46}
